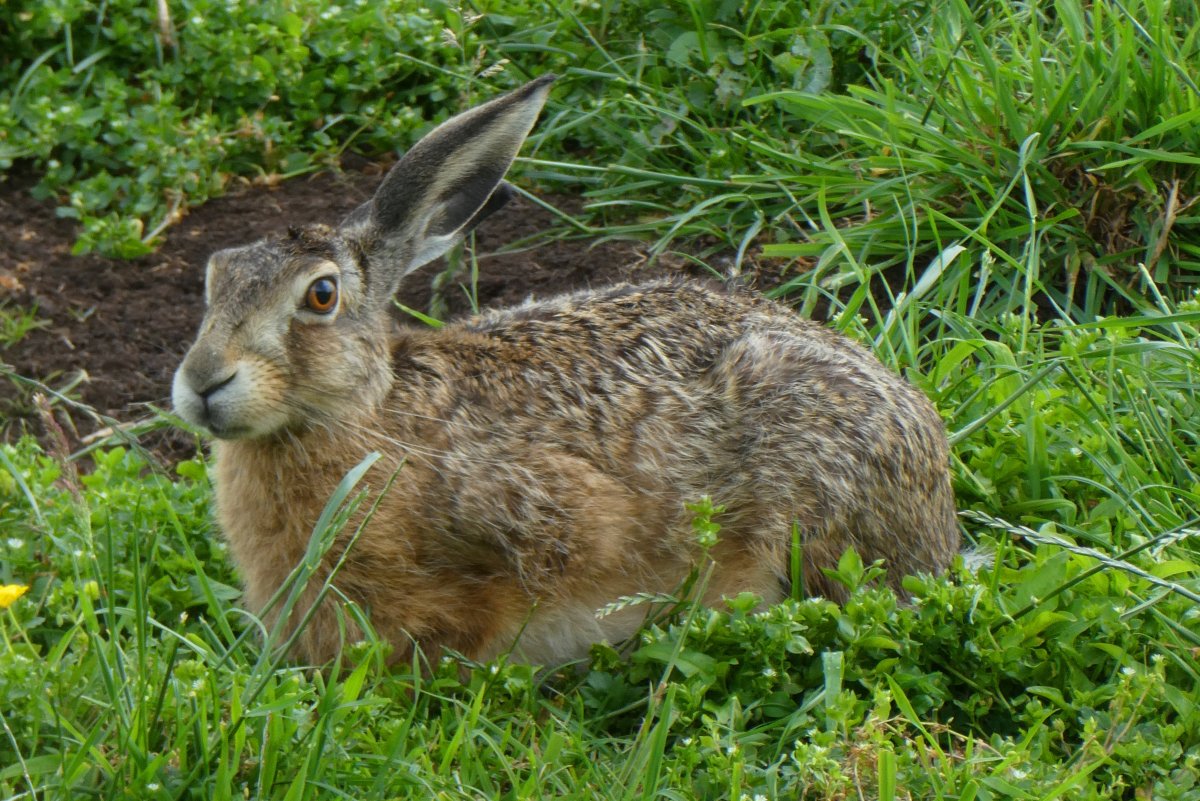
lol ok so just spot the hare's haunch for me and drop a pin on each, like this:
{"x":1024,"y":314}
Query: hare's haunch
{"x":544,"y":452}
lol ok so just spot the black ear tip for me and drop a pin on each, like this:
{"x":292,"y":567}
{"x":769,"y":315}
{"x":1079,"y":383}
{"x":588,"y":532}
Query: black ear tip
{"x":538,"y":83}
{"x":502,"y":194}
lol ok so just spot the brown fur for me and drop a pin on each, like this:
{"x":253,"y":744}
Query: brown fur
{"x":544,"y":452}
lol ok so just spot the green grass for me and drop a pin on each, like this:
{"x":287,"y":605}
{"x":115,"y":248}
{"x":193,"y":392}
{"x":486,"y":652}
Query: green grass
{"x":15,"y":323}
{"x":996,"y":197}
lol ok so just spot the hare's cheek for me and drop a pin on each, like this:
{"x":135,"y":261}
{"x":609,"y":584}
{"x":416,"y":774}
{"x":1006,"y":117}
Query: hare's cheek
{"x":333,"y":371}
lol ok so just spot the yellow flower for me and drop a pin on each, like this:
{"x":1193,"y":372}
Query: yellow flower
{"x":10,"y":593}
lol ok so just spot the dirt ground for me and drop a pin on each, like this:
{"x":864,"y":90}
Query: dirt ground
{"x":116,"y":330}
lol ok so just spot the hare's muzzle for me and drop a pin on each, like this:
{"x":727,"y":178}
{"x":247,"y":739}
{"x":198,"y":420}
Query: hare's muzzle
{"x":214,"y":394}
{"x":198,"y":396}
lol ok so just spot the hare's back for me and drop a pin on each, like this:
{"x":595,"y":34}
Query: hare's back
{"x":681,"y":384}
{"x":675,"y":335}
{"x":665,"y":325}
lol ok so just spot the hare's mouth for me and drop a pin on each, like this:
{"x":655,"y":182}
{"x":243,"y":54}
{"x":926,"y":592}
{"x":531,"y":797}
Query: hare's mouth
{"x":198,"y":412}
{"x":228,"y":431}
{"x":218,"y":426}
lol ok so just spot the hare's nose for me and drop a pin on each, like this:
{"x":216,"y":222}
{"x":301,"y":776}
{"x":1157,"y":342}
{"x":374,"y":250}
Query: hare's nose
{"x":205,"y":370}
{"x":208,"y":391}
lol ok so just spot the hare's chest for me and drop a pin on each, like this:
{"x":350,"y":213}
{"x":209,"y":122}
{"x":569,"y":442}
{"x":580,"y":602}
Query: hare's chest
{"x":266,"y":514}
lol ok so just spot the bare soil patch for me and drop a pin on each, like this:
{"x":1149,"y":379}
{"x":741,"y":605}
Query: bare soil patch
{"x":124,"y":325}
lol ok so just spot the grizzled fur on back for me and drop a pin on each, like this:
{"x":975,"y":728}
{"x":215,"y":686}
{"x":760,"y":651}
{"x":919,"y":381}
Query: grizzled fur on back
{"x":693,"y":391}
{"x":542,"y":454}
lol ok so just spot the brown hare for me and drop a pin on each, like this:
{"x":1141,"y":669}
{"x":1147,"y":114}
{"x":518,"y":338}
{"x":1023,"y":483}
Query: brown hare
{"x":541,"y":455}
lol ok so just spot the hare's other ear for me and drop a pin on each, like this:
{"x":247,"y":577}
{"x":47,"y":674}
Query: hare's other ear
{"x":444,"y":186}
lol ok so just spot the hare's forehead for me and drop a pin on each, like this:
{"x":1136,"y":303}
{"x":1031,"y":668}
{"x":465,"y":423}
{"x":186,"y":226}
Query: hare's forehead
{"x":261,"y":269}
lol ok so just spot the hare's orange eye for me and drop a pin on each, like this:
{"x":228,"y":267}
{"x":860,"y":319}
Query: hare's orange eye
{"x":321,"y":296}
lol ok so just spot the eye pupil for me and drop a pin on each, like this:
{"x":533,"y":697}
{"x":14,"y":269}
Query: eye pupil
{"x":322,"y":295}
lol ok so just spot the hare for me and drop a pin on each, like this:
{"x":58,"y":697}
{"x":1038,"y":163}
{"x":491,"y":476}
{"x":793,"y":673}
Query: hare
{"x":539,"y":457}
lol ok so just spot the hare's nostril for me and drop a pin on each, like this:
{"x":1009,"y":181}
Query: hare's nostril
{"x":208,"y":391}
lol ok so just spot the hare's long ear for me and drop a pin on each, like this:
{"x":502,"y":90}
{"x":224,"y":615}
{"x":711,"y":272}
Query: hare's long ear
{"x":443,"y":186}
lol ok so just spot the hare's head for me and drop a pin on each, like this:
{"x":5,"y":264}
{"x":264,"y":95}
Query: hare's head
{"x":295,"y":332}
